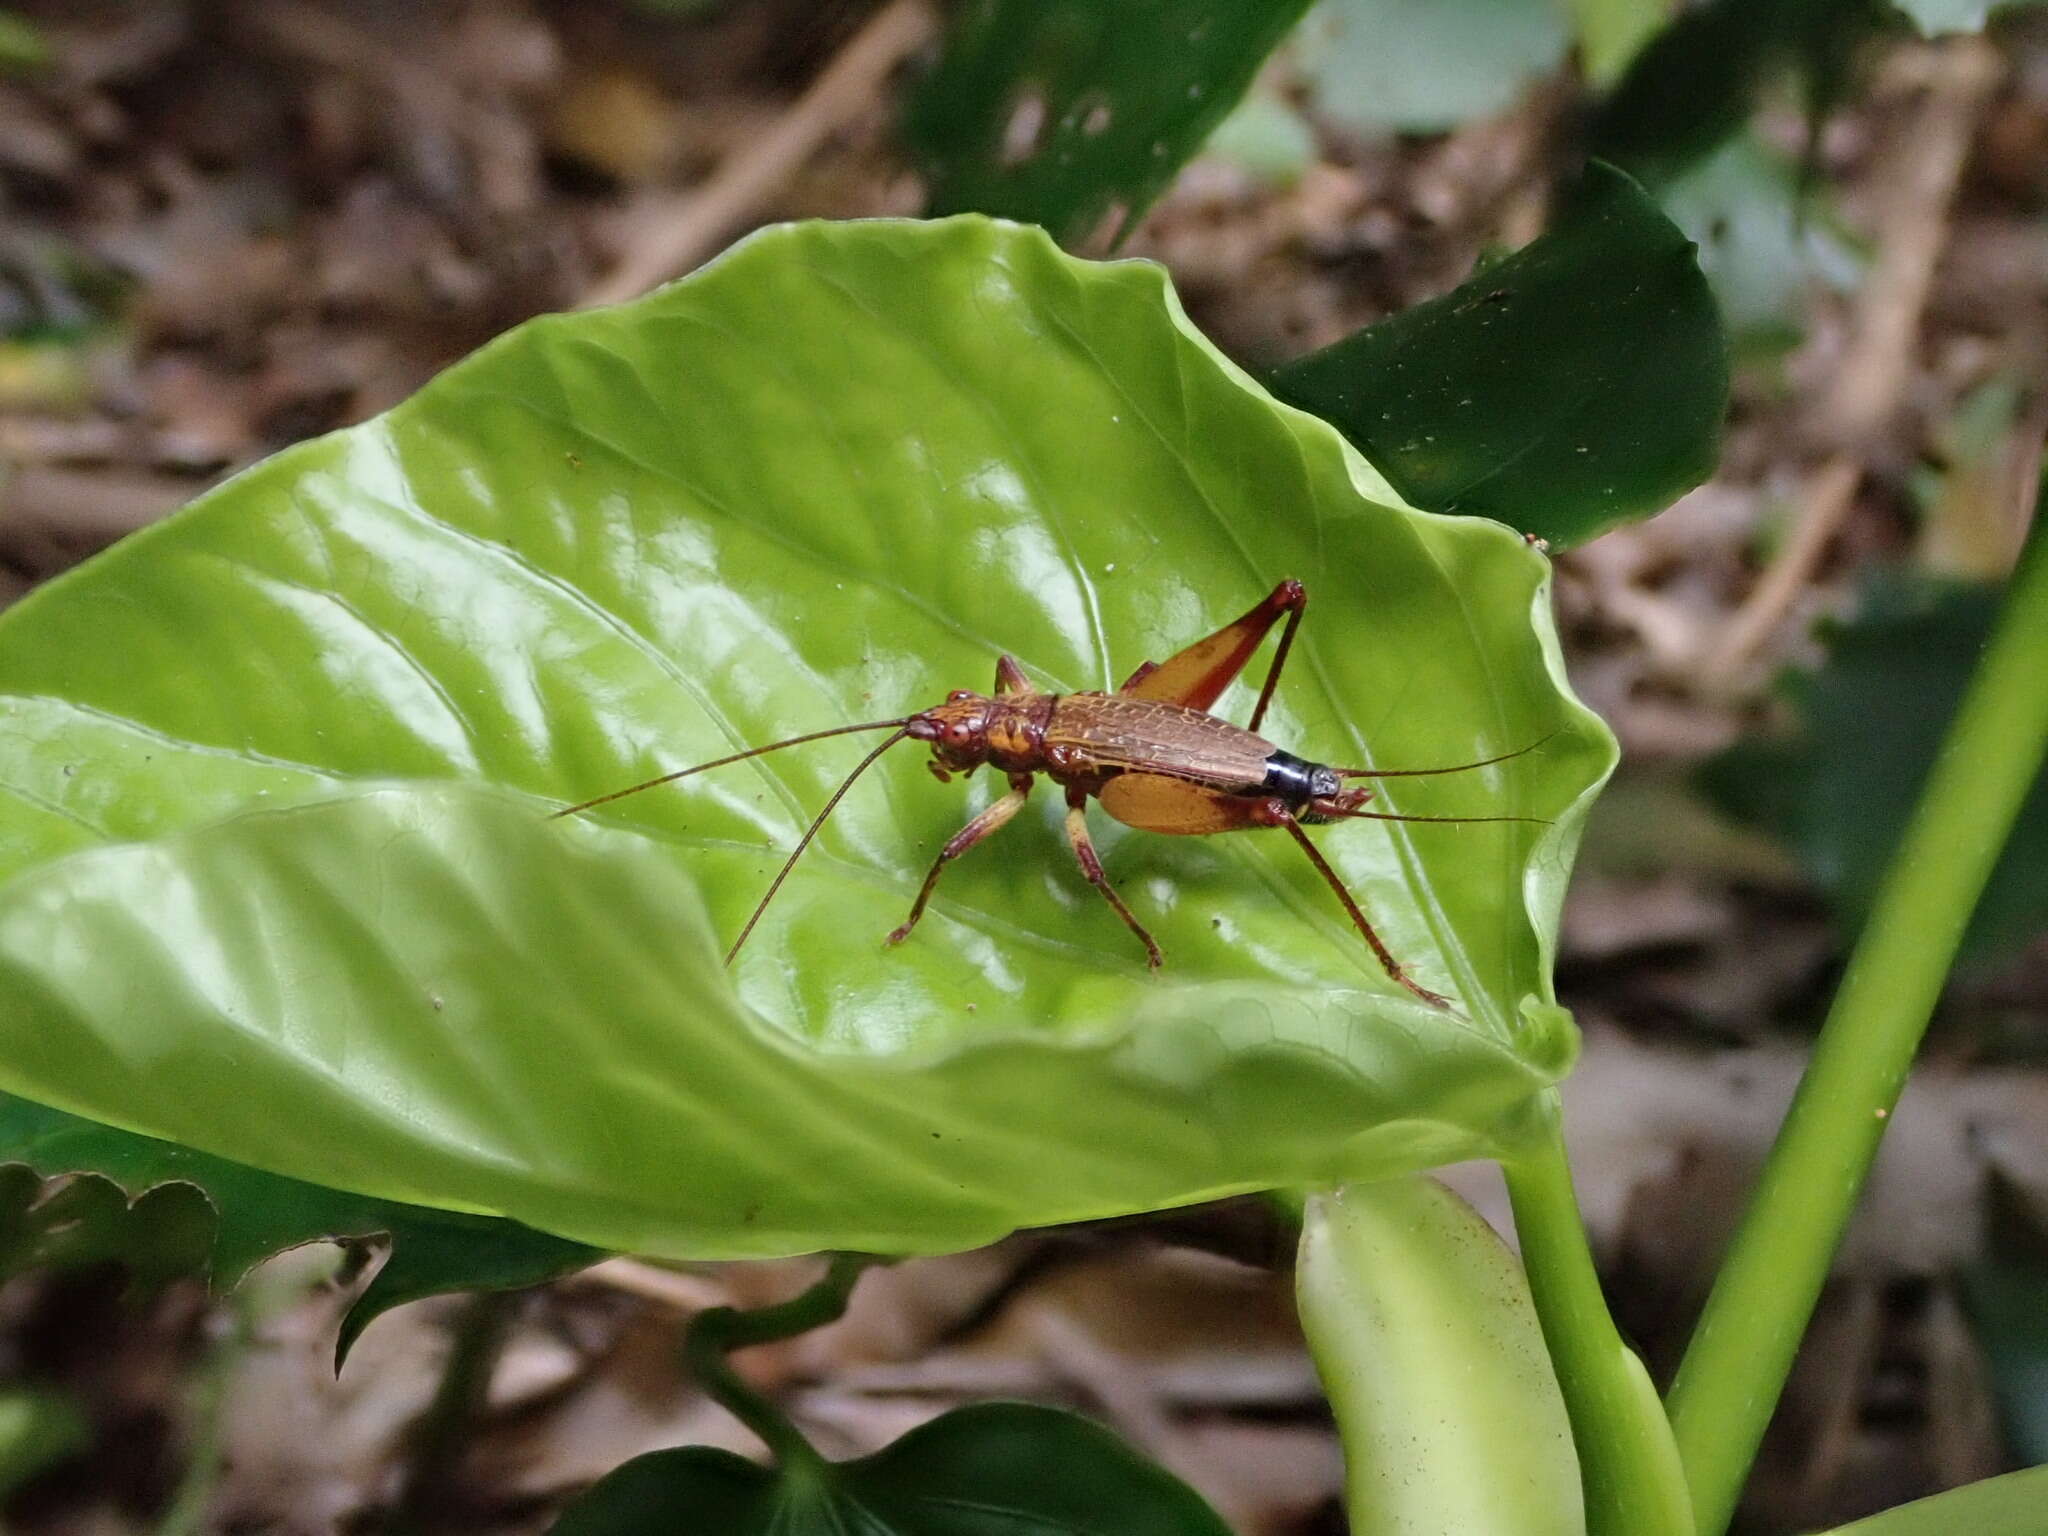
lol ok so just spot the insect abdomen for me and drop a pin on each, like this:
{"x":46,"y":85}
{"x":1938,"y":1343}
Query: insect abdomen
{"x":1292,"y":778}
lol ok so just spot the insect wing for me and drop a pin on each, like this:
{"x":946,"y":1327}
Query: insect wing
{"x":1174,"y":806}
{"x":1117,"y":733}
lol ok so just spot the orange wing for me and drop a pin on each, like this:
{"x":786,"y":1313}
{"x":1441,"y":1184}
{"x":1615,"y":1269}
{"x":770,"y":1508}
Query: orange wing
{"x":1156,"y":804}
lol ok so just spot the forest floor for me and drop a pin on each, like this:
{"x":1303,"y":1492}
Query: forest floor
{"x":253,"y":222}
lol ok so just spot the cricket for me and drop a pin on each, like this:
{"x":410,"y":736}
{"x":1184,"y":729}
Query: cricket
{"x":1151,"y":753}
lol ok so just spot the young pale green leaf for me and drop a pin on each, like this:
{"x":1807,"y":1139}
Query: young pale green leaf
{"x":1420,"y":66}
{"x":1870,"y":723}
{"x":1421,"y":1325}
{"x":827,"y":479}
{"x":2011,"y":1505}
{"x":82,"y":1192}
{"x":1070,"y":113}
{"x":995,"y":1469}
{"x":1577,"y":384}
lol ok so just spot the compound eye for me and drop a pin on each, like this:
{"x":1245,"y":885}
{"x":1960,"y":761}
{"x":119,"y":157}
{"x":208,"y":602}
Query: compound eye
{"x":958,"y":735}
{"x":958,"y":694}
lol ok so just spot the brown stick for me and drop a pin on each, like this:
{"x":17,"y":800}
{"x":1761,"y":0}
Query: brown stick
{"x":1883,"y":334}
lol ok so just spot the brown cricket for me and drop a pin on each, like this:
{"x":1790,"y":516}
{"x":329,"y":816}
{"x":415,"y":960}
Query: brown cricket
{"x":1150,"y":752}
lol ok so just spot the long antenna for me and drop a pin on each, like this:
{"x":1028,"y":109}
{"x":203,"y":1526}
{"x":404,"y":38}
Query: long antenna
{"x":737,"y":757}
{"x":812,"y":830}
{"x":1413,"y":773}
{"x":1390,"y":816}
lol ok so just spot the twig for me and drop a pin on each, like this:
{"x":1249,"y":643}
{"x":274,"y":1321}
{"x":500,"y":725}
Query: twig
{"x":1824,"y":503}
{"x":688,"y":1294}
{"x":679,"y":232}
{"x":1883,"y":335}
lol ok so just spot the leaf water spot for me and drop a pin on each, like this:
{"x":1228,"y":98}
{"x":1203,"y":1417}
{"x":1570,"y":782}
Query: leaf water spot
{"x":436,"y":1001}
{"x":1096,"y":120}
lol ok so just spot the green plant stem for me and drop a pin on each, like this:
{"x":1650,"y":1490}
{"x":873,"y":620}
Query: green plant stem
{"x":442,"y":1432}
{"x":1741,"y":1352}
{"x":1628,"y":1464}
{"x":718,"y":1332}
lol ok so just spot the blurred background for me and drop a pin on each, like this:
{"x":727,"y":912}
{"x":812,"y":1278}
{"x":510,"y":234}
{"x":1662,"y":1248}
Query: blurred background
{"x":228,"y":226}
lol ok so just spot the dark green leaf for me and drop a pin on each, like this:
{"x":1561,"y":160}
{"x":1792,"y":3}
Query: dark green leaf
{"x":164,"y":1210}
{"x":1870,"y":722}
{"x":996,"y":1469}
{"x":1577,"y":384}
{"x":1421,"y":65}
{"x":2008,"y":1304}
{"x":828,"y":478}
{"x":1697,"y":82}
{"x":1068,"y":112}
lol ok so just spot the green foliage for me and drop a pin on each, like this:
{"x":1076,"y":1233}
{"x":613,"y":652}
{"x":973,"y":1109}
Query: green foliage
{"x":36,"y":1429}
{"x":1696,"y":83}
{"x":1068,"y":113}
{"x":1999,"y":1506}
{"x":2005,"y":1298}
{"x":23,"y":48}
{"x":1421,"y":1326}
{"x":995,"y":1469}
{"x":1762,"y":243}
{"x":165,"y":1211}
{"x":1870,"y":722}
{"x":1576,"y":384}
{"x":828,"y":478}
{"x":1420,"y":66}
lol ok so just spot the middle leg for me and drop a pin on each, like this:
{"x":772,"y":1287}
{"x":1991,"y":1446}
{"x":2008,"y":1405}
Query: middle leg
{"x":1091,"y":866}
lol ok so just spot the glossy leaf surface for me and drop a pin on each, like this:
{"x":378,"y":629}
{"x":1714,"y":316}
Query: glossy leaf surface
{"x":1423,"y":1330}
{"x":165,"y":1210}
{"x":827,"y":479}
{"x":1576,"y":384}
{"x":995,"y":1469}
{"x":1073,"y":113}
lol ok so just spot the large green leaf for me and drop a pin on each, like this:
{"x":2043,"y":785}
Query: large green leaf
{"x":164,"y":1210}
{"x":1070,"y":112}
{"x":1423,"y":1331}
{"x":828,"y":478}
{"x":995,"y":1469}
{"x":1577,"y":384}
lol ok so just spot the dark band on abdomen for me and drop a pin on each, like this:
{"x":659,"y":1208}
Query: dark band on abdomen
{"x":1291,"y":778}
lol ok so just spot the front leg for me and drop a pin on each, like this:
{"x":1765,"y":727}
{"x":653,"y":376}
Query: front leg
{"x":989,"y":821}
{"x":1196,"y":677}
{"x":1091,"y":866}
